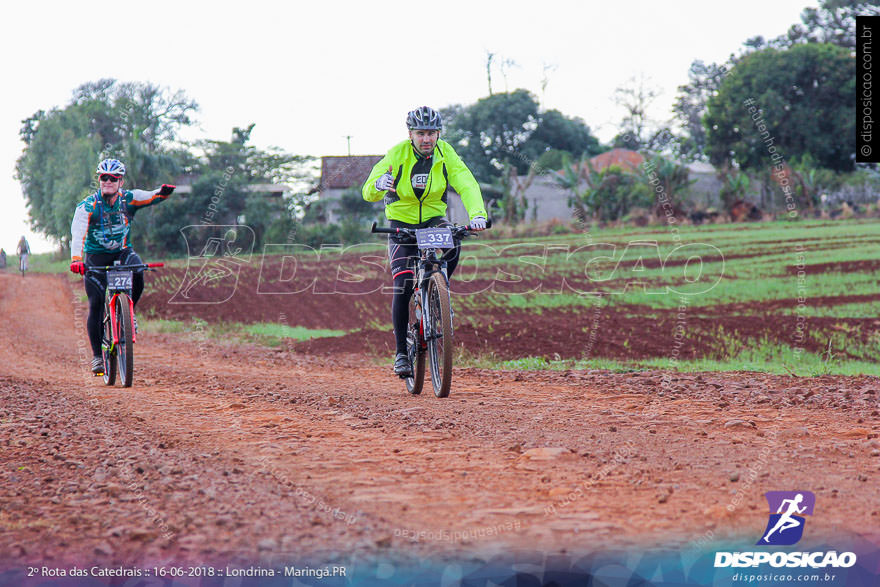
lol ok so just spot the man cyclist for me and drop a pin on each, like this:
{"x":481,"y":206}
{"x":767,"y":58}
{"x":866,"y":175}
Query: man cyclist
{"x":99,"y":231}
{"x":412,"y":180}
{"x":23,"y":250}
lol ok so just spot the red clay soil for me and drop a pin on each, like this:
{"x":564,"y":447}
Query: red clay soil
{"x":346,"y":291}
{"x":355,"y":297}
{"x":612,"y":333}
{"x":224,"y":453}
{"x":308,"y":297}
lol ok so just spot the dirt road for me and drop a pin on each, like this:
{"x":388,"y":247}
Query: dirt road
{"x":222,"y":453}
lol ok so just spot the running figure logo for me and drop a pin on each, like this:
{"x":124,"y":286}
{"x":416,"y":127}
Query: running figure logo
{"x":786,"y":526}
{"x":215,"y":255}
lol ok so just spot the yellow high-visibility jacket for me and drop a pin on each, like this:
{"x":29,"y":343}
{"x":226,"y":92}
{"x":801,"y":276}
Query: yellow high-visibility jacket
{"x":447,"y":169}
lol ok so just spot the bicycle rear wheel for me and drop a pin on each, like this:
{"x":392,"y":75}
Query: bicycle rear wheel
{"x":415,"y":348}
{"x":439,"y":334}
{"x":108,"y":351}
{"x":125,"y":349}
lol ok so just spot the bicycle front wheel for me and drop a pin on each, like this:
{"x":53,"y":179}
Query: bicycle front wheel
{"x":125,"y":349}
{"x":108,"y":351}
{"x":415,"y":348}
{"x":439,"y":334}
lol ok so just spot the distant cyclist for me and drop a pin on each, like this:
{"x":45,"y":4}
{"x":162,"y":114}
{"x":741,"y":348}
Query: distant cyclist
{"x":23,"y":250}
{"x":412,"y":180}
{"x":99,"y":234}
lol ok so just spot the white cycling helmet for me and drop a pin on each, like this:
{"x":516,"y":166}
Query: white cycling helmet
{"x":111,"y":166}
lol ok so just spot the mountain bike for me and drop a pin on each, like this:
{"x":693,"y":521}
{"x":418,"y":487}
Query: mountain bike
{"x":119,"y":336}
{"x":429,"y":336}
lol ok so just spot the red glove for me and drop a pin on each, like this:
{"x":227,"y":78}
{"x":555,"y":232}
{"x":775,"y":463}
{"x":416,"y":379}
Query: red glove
{"x":166,"y":189}
{"x":78,"y":267}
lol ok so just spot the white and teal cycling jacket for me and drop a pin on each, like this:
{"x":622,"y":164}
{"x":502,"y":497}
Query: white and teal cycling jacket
{"x":98,"y":227}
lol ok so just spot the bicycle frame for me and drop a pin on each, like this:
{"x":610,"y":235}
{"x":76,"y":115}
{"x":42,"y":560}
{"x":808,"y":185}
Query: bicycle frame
{"x":114,"y":319}
{"x":431,"y":309}
{"x":111,"y":302}
{"x":424,"y":270}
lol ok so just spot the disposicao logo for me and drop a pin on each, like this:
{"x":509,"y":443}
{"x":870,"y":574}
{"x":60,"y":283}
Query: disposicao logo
{"x":786,"y":524}
{"x":785,"y":527}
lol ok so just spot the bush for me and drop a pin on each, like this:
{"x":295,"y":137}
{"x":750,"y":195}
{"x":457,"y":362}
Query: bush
{"x":347,"y":232}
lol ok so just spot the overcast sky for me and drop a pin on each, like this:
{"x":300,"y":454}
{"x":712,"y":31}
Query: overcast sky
{"x":307,"y":75}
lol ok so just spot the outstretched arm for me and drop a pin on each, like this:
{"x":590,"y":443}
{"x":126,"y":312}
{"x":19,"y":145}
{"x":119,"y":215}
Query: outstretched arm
{"x":143,"y":198}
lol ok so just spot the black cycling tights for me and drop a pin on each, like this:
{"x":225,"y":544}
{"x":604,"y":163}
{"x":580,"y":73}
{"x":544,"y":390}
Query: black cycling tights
{"x":403,"y":262}
{"x":96,"y":284}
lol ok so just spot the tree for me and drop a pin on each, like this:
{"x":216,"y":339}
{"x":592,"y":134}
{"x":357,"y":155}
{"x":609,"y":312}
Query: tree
{"x":552,"y":160}
{"x":666,"y":179}
{"x":492,"y":131}
{"x":269,"y":217}
{"x":57,"y":168}
{"x":607,"y":195}
{"x":509,"y":128}
{"x":690,"y":106}
{"x":811,"y":181}
{"x":352,"y":206}
{"x":134,"y":122}
{"x":140,"y":111}
{"x":833,"y":22}
{"x":795,"y":101}
{"x":546,"y":70}
{"x":513,"y":203}
{"x":735,"y":186}
{"x":227,"y":190}
{"x":557,"y":131}
{"x":490,"y":57}
{"x":635,"y":97}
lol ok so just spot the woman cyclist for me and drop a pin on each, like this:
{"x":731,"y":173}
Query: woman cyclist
{"x":99,"y":231}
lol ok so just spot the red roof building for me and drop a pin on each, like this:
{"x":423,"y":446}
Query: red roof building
{"x":344,"y":172}
{"x":625,"y":158}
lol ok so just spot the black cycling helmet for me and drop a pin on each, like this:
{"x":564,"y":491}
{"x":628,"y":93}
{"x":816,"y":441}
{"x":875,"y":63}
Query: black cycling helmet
{"x":423,"y":118}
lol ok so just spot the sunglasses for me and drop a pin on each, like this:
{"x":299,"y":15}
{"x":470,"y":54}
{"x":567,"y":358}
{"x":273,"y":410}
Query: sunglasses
{"x":110,"y":178}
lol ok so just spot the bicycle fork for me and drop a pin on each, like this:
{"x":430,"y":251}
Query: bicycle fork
{"x":427,"y":321}
{"x":422,"y":318}
{"x":113,"y":318}
{"x":114,"y":321}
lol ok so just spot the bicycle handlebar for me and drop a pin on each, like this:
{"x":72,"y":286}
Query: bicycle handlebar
{"x":412,"y":231}
{"x":115,"y":267}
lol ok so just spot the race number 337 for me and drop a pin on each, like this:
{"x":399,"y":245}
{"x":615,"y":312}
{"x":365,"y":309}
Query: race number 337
{"x":434,"y":238}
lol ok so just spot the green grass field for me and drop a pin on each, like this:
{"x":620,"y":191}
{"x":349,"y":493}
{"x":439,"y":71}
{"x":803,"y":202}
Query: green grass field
{"x":267,"y":334}
{"x":757,"y":281}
